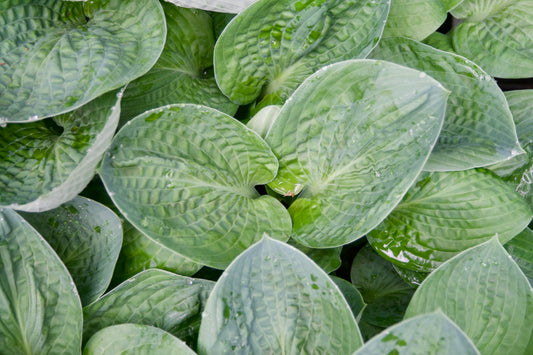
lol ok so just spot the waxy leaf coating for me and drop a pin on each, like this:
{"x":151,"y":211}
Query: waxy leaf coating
{"x":445,"y":213}
{"x":58,"y":55}
{"x":184,"y":175}
{"x":40,"y":311}
{"x":230,"y":6}
{"x":274,"y":300}
{"x":484,"y":292}
{"x":350,"y":141}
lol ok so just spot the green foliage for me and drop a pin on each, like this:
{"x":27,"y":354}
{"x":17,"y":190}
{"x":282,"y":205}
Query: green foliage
{"x":336,"y":180}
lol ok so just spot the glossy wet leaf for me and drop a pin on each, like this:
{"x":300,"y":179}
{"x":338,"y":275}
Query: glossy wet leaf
{"x":230,"y":6}
{"x":384,"y":292}
{"x":496,"y":34}
{"x":427,"y":334}
{"x":40,"y":311}
{"x":153,"y":297}
{"x":445,"y":213}
{"x":478,"y":128}
{"x":352,"y":296}
{"x":182,"y":72}
{"x":139,"y":253}
{"x":272,"y":46}
{"x":273,"y":299}
{"x":87,"y":236}
{"x":350,"y":142}
{"x":415,"y":19}
{"x":47,"y":163}
{"x":412,"y":277}
{"x":521,"y":249}
{"x":184,"y":175}
{"x":59,"y":55}
{"x":484,"y":292}
{"x":135,"y":339}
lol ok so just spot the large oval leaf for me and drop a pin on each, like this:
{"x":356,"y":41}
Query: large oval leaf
{"x":184,"y":175}
{"x":446,"y":213}
{"x":478,"y":128}
{"x":231,"y":6}
{"x":271,"y":47}
{"x":428,"y":334}
{"x":47,"y":163}
{"x":183,"y":73}
{"x":496,"y":34}
{"x":135,"y":339}
{"x":273,"y":300}
{"x":484,"y":292}
{"x":153,"y":297}
{"x":352,"y":139}
{"x":87,"y":236}
{"x":58,"y":55}
{"x":40,"y":311}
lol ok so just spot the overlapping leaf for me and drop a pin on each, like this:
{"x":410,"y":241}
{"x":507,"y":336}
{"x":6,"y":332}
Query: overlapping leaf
{"x":40,"y":311}
{"x":183,"y":72}
{"x":47,"y":163}
{"x":87,"y":236}
{"x":272,"y":46}
{"x":428,"y":334}
{"x":521,"y":249}
{"x":273,"y":299}
{"x":135,"y":339}
{"x":153,"y":297}
{"x":496,"y":34}
{"x":352,"y":295}
{"x":484,"y":292}
{"x":351,"y":140}
{"x":478,"y":128}
{"x":329,"y":259}
{"x":448,"y":212}
{"x":58,"y":55}
{"x":184,"y":175}
{"x":231,"y":6}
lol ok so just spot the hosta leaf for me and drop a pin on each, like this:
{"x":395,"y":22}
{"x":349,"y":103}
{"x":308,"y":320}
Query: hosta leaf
{"x":484,"y":292}
{"x":412,"y":277}
{"x":182,"y":72}
{"x":415,"y":19}
{"x":329,"y":259}
{"x":87,"y":237}
{"x":427,"y":334}
{"x":153,"y":297}
{"x":451,"y":4}
{"x":231,"y":6}
{"x":135,"y":339}
{"x":271,"y":47}
{"x":47,"y":163}
{"x":385,"y":293}
{"x":263,"y":120}
{"x":352,"y":139}
{"x":478,"y":129}
{"x":140,"y":252}
{"x":184,"y":175}
{"x":58,"y":55}
{"x":496,"y":34}
{"x":521,"y":249}
{"x":440,"y":41}
{"x":273,"y":300}
{"x":40,"y":311}
{"x":448,"y":212}
{"x":352,"y":296}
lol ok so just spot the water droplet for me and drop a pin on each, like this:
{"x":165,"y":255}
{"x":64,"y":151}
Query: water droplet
{"x":484,"y":264}
{"x":3,"y":122}
{"x":119,"y":94}
{"x":33,"y":118}
{"x":422,"y":75}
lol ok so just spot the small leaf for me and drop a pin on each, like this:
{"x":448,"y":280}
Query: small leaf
{"x":271,"y":47}
{"x":350,"y":142}
{"x":521,"y":249}
{"x":415,"y":19}
{"x":87,"y":236}
{"x":484,"y":292}
{"x":40,"y":311}
{"x":263,"y":120}
{"x":231,"y":6}
{"x":47,"y":163}
{"x":135,"y":339}
{"x":153,"y":297}
{"x":273,"y":299}
{"x":429,"y":334}
{"x":385,"y":293}
{"x":496,"y":34}
{"x":182,"y":72}
{"x":478,"y":127}
{"x":59,"y":55}
{"x":184,"y":175}
{"x":446,"y":213}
